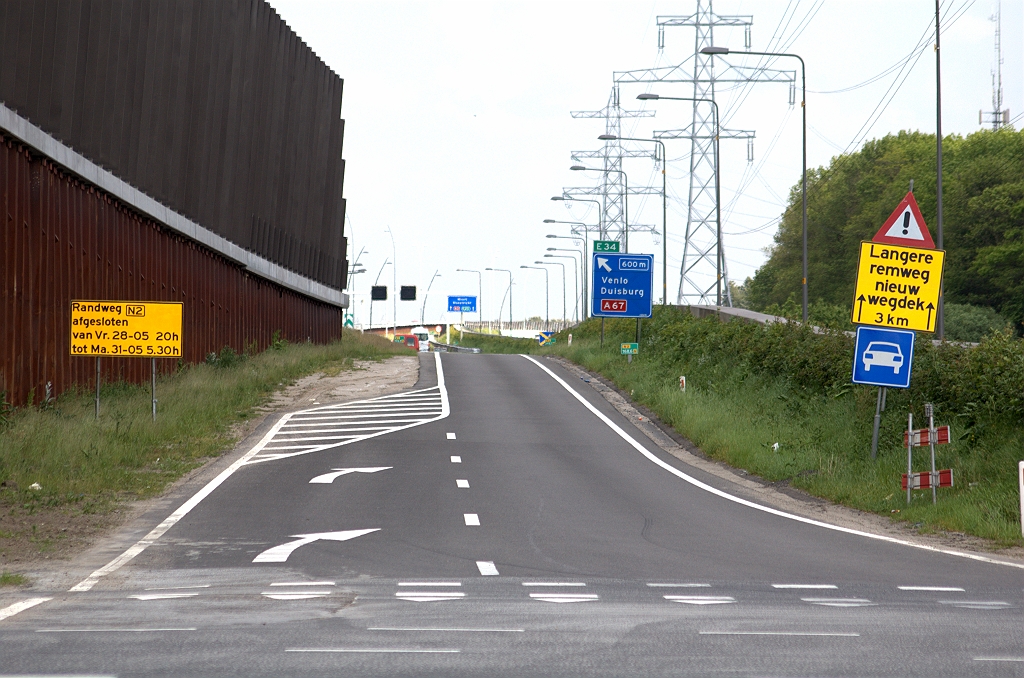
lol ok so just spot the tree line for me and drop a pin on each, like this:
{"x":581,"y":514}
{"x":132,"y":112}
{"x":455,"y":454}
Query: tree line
{"x":850,"y":199}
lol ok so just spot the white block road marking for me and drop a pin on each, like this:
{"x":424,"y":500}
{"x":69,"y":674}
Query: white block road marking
{"x":21,"y":606}
{"x":429,"y":596}
{"x":563,"y":597}
{"x":839,"y":602}
{"x":471,"y":518}
{"x":450,"y":436}
{"x":329,"y":478}
{"x":175,"y":588}
{"x":744,"y":502}
{"x":804,"y":586}
{"x":487,"y":568}
{"x":162,"y":596}
{"x":371,"y":650}
{"x":279,"y":554}
{"x":430,"y":583}
{"x":930,"y":588}
{"x":701,"y":600}
{"x":680,"y":586}
{"x":554,"y":583}
{"x":302,"y":583}
{"x":414,"y":628}
{"x":294,"y":595}
{"x":461,"y":482}
{"x":456,"y":459}
{"x":977,"y":604}
{"x":777,"y":633}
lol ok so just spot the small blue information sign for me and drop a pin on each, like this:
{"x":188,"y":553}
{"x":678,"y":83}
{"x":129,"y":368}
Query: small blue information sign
{"x":883,"y":357}
{"x":461,"y":304}
{"x":623,"y":285}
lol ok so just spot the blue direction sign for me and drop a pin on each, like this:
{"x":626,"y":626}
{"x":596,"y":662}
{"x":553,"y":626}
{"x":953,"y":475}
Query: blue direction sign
{"x":883,"y":357}
{"x":461,"y":304}
{"x":623,"y":285}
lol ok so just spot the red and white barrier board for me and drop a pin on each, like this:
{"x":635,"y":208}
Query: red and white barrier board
{"x":922,"y":436}
{"x":923,"y":480}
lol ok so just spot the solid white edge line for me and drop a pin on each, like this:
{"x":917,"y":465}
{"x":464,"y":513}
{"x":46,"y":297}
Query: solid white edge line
{"x":181,"y":512}
{"x":21,"y":606}
{"x":370,"y":650}
{"x":725,"y":495}
{"x":190,"y":628}
{"x":169,"y":522}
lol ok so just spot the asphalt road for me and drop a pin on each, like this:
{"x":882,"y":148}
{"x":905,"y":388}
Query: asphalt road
{"x":496,"y":525}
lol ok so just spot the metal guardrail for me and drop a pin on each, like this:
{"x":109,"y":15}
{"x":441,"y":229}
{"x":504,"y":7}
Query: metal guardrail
{"x":447,"y":348}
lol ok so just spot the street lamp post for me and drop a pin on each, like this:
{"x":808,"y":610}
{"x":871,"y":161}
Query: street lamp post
{"x":803,"y":106}
{"x":625,"y":185}
{"x":664,"y":209}
{"x":557,"y":263}
{"x":583,"y":256}
{"x":575,"y":277}
{"x":423,"y":309}
{"x":600,"y":216}
{"x":394,"y":284}
{"x":480,"y":299}
{"x":376,"y":280}
{"x":505,"y":270}
{"x":547,"y":286}
{"x":718,"y":187}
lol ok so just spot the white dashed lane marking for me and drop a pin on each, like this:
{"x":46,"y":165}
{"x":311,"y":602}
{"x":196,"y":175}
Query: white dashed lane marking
{"x":943,"y":589}
{"x":162,"y":596}
{"x":450,"y":436}
{"x":804,"y":586}
{"x":471,"y":519}
{"x":456,"y":459}
{"x":487,"y":568}
{"x":701,"y":600}
{"x":839,"y":602}
{"x":464,"y":484}
{"x":563,"y":597}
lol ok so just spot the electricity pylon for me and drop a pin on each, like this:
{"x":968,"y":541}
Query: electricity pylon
{"x":702,"y":249}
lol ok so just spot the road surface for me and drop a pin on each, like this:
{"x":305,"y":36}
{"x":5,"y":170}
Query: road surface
{"x":502,"y":519}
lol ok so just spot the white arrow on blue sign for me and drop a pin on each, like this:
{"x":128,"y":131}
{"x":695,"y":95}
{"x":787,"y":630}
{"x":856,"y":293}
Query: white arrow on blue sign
{"x":461,"y":304}
{"x":623,"y":285}
{"x":883,"y":357}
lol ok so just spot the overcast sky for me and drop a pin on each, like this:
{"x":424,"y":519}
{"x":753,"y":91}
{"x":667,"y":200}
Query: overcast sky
{"x":458,"y":127}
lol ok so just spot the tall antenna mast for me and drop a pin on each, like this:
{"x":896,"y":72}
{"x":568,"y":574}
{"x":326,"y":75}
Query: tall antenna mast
{"x":997,"y":116}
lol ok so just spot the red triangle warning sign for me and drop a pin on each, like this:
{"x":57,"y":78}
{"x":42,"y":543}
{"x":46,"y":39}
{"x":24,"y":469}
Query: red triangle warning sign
{"x":905,"y":226}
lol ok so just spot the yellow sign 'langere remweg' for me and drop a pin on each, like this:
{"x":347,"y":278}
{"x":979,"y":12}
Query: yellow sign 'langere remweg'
{"x":898,"y":286}
{"x":126,"y":329}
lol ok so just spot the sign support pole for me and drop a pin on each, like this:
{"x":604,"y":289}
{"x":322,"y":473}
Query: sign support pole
{"x":97,"y":388}
{"x":878,"y":419}
{"x":602,"y":332}
{"x":910,"y":455}
{"x":931,"y":443}
{"x":153,"y":384}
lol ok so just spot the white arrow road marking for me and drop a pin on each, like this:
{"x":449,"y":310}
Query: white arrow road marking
{"x":603,"y":263}
{"x":279,"y":554}
{"x":839,"y":602}
{"x":328,"y":478}
{"x":701,"y":600}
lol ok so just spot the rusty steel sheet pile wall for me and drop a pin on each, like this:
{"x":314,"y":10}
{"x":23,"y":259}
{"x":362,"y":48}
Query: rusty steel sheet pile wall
{"x":62,"y":239}
{"x":214,"y":108}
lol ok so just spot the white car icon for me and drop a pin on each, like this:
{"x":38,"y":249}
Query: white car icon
{"x":884,"y":354}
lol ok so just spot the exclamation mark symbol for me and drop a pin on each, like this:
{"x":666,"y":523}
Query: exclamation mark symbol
{"x":906,"y":222}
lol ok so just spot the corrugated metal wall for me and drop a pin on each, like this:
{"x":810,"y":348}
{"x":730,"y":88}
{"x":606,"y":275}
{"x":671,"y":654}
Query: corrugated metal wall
{"x":215,"y":108}
{"x":62,"y":239}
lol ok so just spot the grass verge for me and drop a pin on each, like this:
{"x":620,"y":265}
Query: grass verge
{"x":60,"y":456}
{"x":12,"y":579}
{"x":748,"y":414}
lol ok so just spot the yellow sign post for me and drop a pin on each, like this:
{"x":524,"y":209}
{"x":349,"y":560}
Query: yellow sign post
{"x":898,"y":286}
{"x":126,"y":329}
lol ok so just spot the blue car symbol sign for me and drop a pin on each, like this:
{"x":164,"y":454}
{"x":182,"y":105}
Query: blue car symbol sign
{"x":883,"y":357}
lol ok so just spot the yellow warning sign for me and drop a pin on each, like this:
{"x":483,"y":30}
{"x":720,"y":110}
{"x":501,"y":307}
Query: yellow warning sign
{"x":898,"y":286}
{"x":126,"y":329}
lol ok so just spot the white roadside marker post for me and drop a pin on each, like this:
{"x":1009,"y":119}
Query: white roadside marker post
{"x":1020,"y":477}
